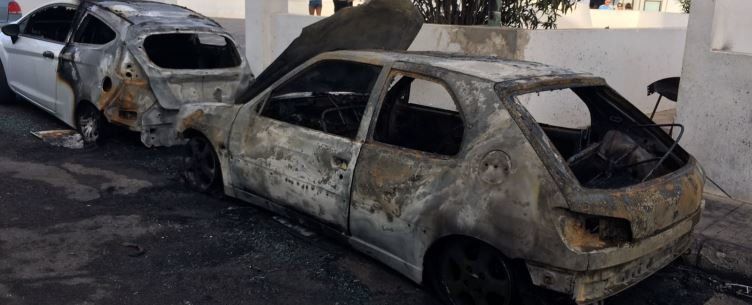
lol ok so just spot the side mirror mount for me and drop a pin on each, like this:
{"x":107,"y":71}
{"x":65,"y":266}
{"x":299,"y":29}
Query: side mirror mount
{"x":12,"y":30}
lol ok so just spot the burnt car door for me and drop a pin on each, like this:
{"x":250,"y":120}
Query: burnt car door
{"x":89,"y":55}
{"x":298,"y":148}
{"x":406,"y":165}
{"x":33,"y":66}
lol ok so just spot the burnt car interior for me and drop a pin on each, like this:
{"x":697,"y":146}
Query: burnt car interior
{"x":93,"y":31}
{"x":621,"y":147}
{"x":52,"y":23}
{"x":330,"y":96}
{"x":421,"y":115}
{"x":191,"y":51}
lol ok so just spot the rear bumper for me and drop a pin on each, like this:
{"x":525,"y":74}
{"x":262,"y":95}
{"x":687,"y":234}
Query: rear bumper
{"x":158,"y":127}
{"x":613,"y":270}
{"x":161,"y":136}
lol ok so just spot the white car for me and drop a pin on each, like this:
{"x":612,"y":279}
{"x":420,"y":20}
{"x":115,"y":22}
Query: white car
{"x":130,"y":63}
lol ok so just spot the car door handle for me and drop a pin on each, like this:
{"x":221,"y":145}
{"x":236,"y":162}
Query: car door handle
{"x":48,"y":54}
{"x":340,"y":163}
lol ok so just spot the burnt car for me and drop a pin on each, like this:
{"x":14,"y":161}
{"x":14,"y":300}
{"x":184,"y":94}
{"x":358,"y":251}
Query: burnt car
{"x":130,"y":63}
{"x":431,"y":164}
{"x":468,"y":174}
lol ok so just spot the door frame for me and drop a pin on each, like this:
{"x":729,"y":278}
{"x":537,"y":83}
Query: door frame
{"x":255,"y":108}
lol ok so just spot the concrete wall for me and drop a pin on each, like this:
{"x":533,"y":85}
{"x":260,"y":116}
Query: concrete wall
{"x":300,"y":7}
{"x":601,"y":19}
{"x":731,"y":29}
{"x":715,"y":102}
{"x":629,"y":59}
{"x":211,"y":8}
{"x":216,"y":8}
{"x":30,"y":5}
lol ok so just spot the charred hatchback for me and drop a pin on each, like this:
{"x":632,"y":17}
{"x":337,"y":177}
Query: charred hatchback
{"x":468,"y":174}
{"x":130,"y":63}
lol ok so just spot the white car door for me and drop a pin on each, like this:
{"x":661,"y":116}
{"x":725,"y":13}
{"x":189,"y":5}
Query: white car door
{"x":33,"y":59}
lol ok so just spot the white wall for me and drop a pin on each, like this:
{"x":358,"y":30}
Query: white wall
{"x":629,"y":59}
{"x":716,"y":101}
{"x":731,"y":29}
{"x":216,"y":8}
{"x":601,"y":19}
{"x":300,"y":7}
{"x":211,"y":8}
{"x":30,"y":5}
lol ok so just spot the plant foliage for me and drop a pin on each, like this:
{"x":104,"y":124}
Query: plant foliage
{"x":529,"y":14}
{"x":685,"y":5}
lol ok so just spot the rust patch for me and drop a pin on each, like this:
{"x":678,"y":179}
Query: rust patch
{"x":121,"y":105}
{"x":580,"y":238}
{"x":192,"y":119}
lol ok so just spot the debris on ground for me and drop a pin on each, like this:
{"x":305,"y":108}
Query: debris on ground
{"x":296,"y":229}
{"x":63,"y":137}
{"x":738,"y":289}
{"x":139,"y":250}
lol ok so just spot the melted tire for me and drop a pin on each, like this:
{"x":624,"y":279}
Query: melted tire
{"x":472,"y":273}
{"x":201,"y":167}
{"x":90,"y":124}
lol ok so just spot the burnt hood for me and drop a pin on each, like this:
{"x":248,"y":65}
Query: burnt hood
{"x":379,"y":24}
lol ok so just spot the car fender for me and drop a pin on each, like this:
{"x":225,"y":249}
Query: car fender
{"x":212,"y":120}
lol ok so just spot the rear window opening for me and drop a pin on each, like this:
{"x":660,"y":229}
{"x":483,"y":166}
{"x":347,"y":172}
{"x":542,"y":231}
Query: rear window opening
{"x":604,"y":140}
{"x":192,"y":51}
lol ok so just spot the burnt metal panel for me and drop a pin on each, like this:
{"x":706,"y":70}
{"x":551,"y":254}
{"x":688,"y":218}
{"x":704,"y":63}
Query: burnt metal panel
{"x":379,"y":24}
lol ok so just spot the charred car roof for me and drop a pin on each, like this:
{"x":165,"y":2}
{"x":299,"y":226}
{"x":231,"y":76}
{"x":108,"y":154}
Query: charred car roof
{"x":493,"y":69}
{"x":149,"y":14}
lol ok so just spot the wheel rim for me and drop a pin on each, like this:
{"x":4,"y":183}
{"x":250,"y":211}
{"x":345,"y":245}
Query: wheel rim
{"x":200,"y":165}
{"x":475,"y":275}
{"x":89,"y":125}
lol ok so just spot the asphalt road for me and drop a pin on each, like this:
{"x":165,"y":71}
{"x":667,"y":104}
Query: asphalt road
{"x":114,"y":225}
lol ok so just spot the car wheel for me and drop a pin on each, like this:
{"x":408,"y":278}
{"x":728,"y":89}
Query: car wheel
{"x":472,"y":273}
{"x":6,"y":95}
{"x":201,"y":168}
{"x":90,"y":124}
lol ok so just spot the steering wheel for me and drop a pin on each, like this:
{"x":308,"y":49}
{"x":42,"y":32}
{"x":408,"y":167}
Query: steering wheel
{"x":583,"y":154}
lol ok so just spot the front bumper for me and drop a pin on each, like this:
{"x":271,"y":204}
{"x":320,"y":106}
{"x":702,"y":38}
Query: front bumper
{"x":613,"y":270}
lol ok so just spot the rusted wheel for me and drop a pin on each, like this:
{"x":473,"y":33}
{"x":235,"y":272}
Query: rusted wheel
{"x":201,"y":168}
{"x":89,"y":123}
{"x":472,"y":273}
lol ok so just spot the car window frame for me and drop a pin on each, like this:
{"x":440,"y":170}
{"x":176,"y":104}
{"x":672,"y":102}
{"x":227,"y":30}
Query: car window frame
{"x":228,"y":36}
{"x":266,"y":96}
{"x":72,"y":35}
{"x":377,"y":111}
{"x":28,"y":16}
{"x":533,"y":132}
